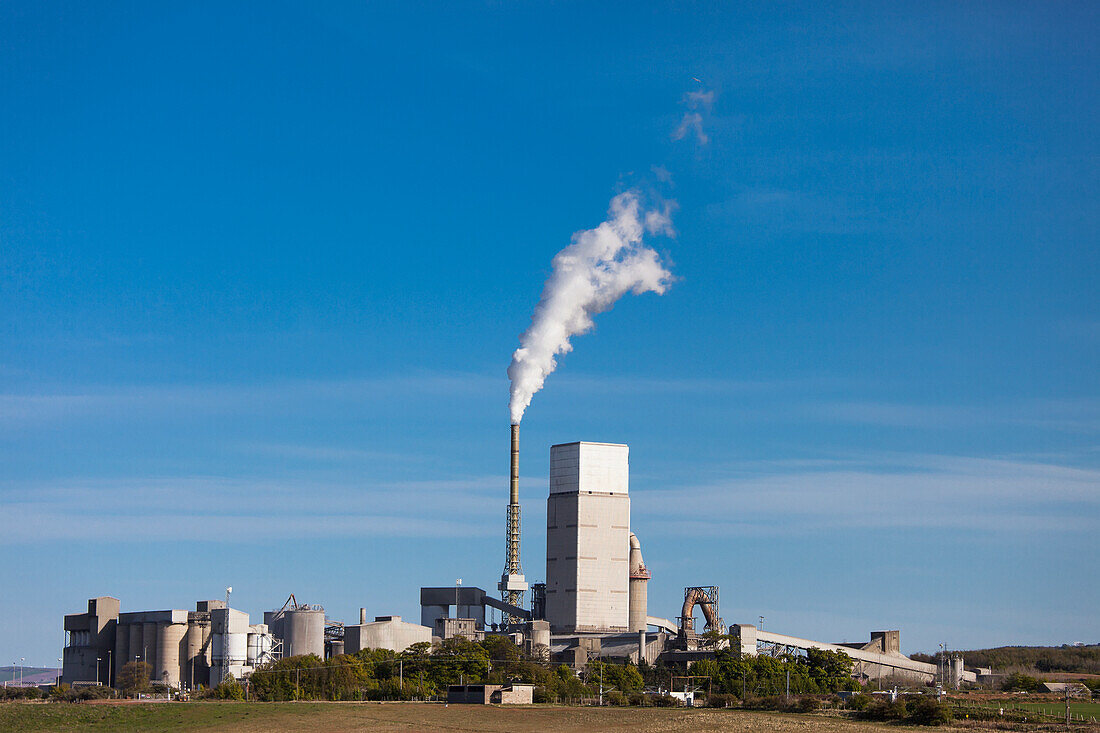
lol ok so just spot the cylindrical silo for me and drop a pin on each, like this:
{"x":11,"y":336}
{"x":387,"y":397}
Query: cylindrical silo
{"x":237,"y":653}
{"x":194,"y":665}
{"x":122,"y":649}
{"x":956,"y":672}
{"x":337,"y":647}
{"x":136,"y":635}
{"x":169,"y":639}
{"x":149,"y":647}
{"x":304,"y":632}
{"x":639,"y":588}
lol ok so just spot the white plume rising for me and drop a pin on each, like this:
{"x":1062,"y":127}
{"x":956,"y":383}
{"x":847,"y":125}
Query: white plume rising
{"x":599,"y":267}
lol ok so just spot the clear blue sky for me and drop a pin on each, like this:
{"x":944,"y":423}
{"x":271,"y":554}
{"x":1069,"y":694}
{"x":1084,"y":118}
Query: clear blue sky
{"x":263,"y":266}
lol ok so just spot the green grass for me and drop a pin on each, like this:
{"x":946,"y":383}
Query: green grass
{"x":405,"y":717}
{"x":1049,"y":707}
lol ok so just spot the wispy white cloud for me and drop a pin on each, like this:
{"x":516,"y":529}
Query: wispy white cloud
{"x":220,"y":508}
{"x":1076,"y":415}
{"x":134,"y":400}
{"x":887,"y":491}
{"x":697,"y":104}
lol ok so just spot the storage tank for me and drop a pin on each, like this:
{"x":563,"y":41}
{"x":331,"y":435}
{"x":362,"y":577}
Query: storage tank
{"x":304,"y":632}
{"x":260,"y":643}
{"x":195,"y":665}
{"x":238,"y":649}
{"x":336,"y":648}
{"x":170,"y":637}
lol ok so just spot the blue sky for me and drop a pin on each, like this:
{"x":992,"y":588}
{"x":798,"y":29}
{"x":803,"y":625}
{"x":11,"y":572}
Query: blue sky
{"x":263,"y":267}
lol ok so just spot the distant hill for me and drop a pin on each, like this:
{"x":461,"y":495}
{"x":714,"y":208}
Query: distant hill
{"x":33,"y":675}
{"x":1066,"y":658}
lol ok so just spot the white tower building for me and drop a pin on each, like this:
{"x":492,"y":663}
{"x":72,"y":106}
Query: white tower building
{"x":588,"y":538}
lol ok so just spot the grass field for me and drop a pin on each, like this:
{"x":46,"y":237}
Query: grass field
{"x":214,"y":716}
{"x":1053,"y":708}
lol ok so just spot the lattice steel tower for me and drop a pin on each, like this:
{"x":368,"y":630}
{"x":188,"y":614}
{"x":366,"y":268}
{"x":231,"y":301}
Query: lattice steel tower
{"x":512,"y":583}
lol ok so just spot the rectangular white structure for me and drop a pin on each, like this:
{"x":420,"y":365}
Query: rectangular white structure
{"x":588,"y":538}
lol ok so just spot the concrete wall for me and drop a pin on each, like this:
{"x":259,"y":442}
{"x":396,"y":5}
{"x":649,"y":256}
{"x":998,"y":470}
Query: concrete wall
{"x":471,"y":694}
{"x":514,"y":695}
{"x":387,"y":632}
{"x":587,"y":538}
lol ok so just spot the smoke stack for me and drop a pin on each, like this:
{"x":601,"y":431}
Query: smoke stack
{"x":512,"y":583}
{"x":362,"y":615}
{"x":513,"y":494}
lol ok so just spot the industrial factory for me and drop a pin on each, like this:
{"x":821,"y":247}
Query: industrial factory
{"x":593,"y":603}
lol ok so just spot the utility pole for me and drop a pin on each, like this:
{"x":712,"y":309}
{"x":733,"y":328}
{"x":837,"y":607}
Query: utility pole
{"x":788,"y":684}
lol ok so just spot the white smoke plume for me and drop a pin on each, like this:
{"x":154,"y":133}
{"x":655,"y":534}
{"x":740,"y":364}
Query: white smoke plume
{"x":693,"y":119}
{"x":589,"y":276}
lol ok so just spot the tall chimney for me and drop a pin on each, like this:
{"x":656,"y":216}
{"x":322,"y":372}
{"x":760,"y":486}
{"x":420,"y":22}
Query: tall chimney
{"x":512,"y":583}
{"x":362,"y":615}
{"x":513,"y":495}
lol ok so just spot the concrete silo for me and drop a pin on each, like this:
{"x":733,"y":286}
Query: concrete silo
{"x":304,"y":632}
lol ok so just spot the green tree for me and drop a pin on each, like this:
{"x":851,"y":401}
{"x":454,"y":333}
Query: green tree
{"x":134,"y":677}
{"x":458,"y":659}
{"x":831,"y":671}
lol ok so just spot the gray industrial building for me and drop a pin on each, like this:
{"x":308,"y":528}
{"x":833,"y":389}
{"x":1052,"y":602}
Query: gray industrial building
{"x":386,"y":632}
{"x":184,"y":649}
{"x":588,"y":538}
{"x":89,"y":650}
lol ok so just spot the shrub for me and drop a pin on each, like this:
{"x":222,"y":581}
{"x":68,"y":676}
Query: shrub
{"x":858,"y":702}
{"x":616,"y":698}
{"x":662,"y":701}
{"x":927,"y":711}
{"x":229,"y":690}
{"x":806,"y":705}
{"x":885,"y":710}
{"x":722,"y":700}
{"x":1020,"y":681}
{"x":771,"y":702}
{"x":99,"y":692}
{"x":637,"y":699}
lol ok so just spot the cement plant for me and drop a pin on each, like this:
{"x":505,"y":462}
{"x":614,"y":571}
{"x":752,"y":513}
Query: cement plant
{"x":593,"y":605}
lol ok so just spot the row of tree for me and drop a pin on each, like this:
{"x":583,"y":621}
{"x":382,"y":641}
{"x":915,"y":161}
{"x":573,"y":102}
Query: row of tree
{"x":1076,"y":659}
{"x":818,"y":672}
{"x":421,"y":672}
